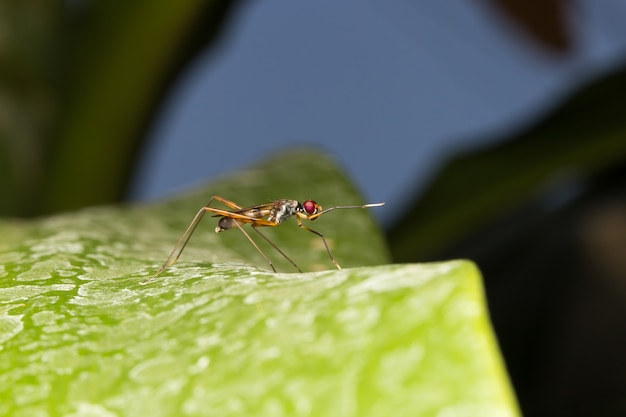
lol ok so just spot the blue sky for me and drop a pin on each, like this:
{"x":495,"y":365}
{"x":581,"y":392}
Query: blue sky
{"x":389,"y":88}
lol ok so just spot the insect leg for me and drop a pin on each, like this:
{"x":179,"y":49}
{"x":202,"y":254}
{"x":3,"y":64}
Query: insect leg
{"x":256,"y":246}
{"x":180,"y":246}
{"x":224,"y":201}
{"x":332,"y":258}
{"x":276,"y":247}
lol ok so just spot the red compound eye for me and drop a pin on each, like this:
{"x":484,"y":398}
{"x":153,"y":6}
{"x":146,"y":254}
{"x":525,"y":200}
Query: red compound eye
{"x":309,"y":206}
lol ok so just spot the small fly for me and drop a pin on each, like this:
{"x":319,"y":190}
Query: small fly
{"x":270,"y":214}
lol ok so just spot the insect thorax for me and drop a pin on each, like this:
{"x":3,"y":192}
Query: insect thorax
{"x":282,"y":210}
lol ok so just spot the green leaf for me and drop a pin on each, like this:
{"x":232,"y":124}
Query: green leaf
{"x":217,"y":334}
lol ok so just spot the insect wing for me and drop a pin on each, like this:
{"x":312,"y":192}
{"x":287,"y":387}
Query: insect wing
{"x":253,"y":212}
{"x":256,"y":212}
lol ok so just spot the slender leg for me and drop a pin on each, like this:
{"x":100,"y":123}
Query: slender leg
{"x":184,"y":239}
{"x":224,"y":201}
{"x":180,"y":246}
{"x":332,"y":258}
{"x":276,"y":247}
{"x":257,"y":246}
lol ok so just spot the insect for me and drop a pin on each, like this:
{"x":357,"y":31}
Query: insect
{"x":270,"y":214}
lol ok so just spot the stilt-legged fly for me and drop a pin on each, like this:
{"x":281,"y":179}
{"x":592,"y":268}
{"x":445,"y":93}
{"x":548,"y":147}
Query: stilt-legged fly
{"x":270,"y":214}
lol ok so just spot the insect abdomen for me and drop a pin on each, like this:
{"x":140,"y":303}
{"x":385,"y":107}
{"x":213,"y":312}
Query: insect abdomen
{"x":225,"y":223}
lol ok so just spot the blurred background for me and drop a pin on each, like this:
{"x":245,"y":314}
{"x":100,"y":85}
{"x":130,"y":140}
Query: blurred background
{"x":495,"y":130}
